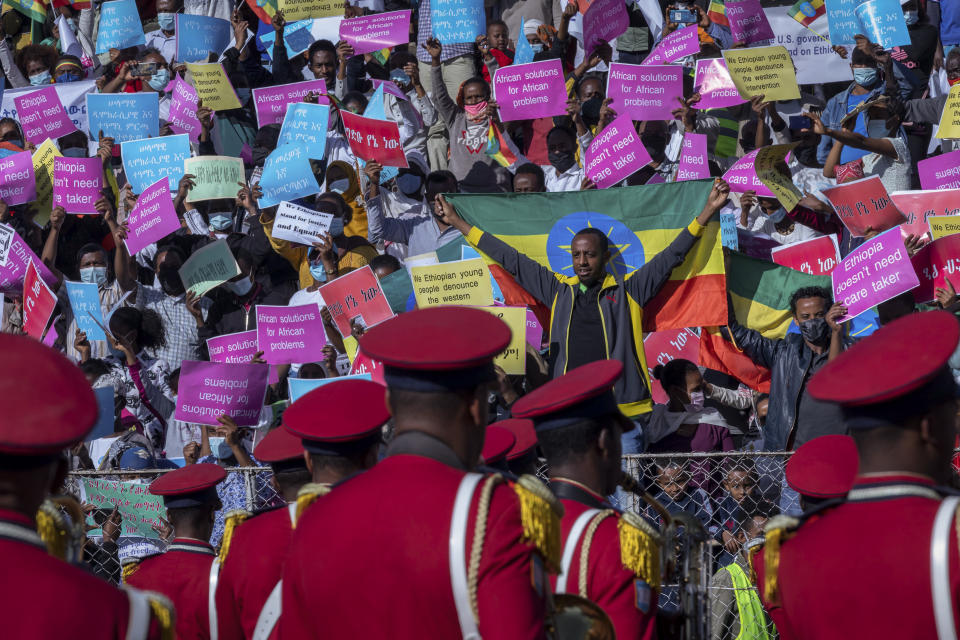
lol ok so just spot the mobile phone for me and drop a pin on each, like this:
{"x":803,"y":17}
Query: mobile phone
{"x":144,"y":68}
{"x":682,"y":16}
{"x":400,"y":77}
{"x":800,"y":122}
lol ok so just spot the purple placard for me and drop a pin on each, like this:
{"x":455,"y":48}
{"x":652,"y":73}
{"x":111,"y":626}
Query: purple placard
{"x":237,"y":347}
{"x":271,"y":102}
{"x":42,"y":116}
{"x":644,"y":92}
{"x":389,"y":87}
{"x":742,"y":176}
{"x":940,"y":172}
{"x":715,"y":86}
{"x":17,"y":184}
{"x":183,"y":109}
{"x":209,"y":390}
{"x":529,"y":91}
{"x":604,"y":21}
{"x":18,"y":258}
{"x":290,"y":334}
{"x":748,"y":22}
{"x":152,"y":219}
{"x":376,"y":31}
{"x":77,"y":183}
{"x":615,"y":153}
{"x":874,"y":272}
{"x":534,"y":331}
{"x":693,"y":158}
{"x":679,"y":44}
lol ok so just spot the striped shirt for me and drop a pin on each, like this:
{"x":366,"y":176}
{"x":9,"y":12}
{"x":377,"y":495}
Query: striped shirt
{"x":424,"y":27}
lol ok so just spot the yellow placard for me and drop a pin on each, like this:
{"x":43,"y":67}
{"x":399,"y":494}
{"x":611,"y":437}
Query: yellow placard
{"x":763,"y":70}
{"x":213,"y":86}
{"x":941,"y":226}
{"x":461,"y":282}
{"x":43,"y":174}
{"x":304,"y":9}
{"x":950,"y":116}
{"x":513,"y":360}
{"x":767,"y":160}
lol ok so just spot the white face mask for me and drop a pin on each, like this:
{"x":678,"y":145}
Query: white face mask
{"x":96,"y":275}
{"x":241,"y":287}
{"x":339,"y":186}
{"x":697,"y":399}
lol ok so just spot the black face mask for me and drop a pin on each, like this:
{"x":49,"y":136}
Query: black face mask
{"x":655,"y":144}
{"x":170,"y":281}
{"x":815,"y":331}
{"x":590,"y":110}
{"x":807,"y":156}
{"x":561,"y":160}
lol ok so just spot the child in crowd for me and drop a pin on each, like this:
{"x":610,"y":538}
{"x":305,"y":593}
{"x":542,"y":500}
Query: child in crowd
{"x":674,"y":492}
{"x":741,"y":496}
{"x":498,"y":39}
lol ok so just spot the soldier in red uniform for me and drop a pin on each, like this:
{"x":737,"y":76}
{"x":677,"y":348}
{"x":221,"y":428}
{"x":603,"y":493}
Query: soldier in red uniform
{"x":186,"y":572}
{"x":419,"y":546}
{"x":48,"y":406}
{"x":522,"y":457}
{"x":496,"y":446}
{"x":330,"y":434}
{"x":883,"y":563}
{"x":579,"y":426}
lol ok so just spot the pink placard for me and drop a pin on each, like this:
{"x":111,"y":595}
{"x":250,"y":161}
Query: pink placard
{"x":38,"y":302}
{"x":715,"y":86}
{"x":376,"y":31}
{"x":42,"y":116}
{"x":660,"y":347}
{"x":152,"y":219}
{"x":208,"y":390}
{"x":77,"y":183}
{"x":644,"y":92}
{"x":604,"y":21}
{"x":529,"y":91}
{"x":679,"y":44}
{"x":271,"y":102}
{"x":356,"y":294}
{"x":372,"y":139}
{"x":14,"y":271}
{"x":933,"y":264}
{"x":183,"y":109}
{"x":534,"y":331}
{"x":748,"y":22}
{"x":615,"y":153}
{"x":864,"y":203}
{"x":874,"y":272}
{"x":389,"y":87}
{"x":17,"y":184}
{"x":917,"y":206}
{"x":940,"y":172}
{"x":817,"y":256}
{"x":693,"y":158}
{"x":237,"y":347}
{"x":290,"y":334}
{"x":742,"y":177}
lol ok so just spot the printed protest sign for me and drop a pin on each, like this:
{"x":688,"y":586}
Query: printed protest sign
{"x":270,"y":103}
{"x":300,"y":224}
{"x":199,"y":36}
{"x":376,"y":31}
{"x":864,"y":203}
{"x":42,"y":115}
{"x":941,"y":226}
{"x":213,"y":87}
{"x":874,"y":272}
{"x":842,"y":20}
{"x":772,"y":171}
{"x":14,"y":269}
{"x":936,"y":262}
{"x":356,"y":296}
{"x":141,"y":510}
{"x":149,"y":160}
{"x":604,"y":21}
{"x":38,"y":303}
{"x":660,"y":347}
{"x":209,"y":390}
{"x":728,"y":230}
{"x":748,"y":22}
{"x":678,"y":44}
{"x":715,"y":86}
{"x":306,"y":125}
{"x":615,"y":153}
{"x":940,"y":172}
{"x":920,"y":206}
{"x":73,"y":97}
{"x":882,"y":22}
{"x":534,"y":331}
{"x":124,"y":116}
{"x":365,"y":365}
{"x":237,"y":347}
{"x":43,"y":159}
{"x":376,"y":140}
{"x":742,"y":176}
{"x":290,"y":334}
{"x":85,"y":302}
{"x":17,"y":182}
{"x":152,"y":219}
{"x":644,"y":92}
{"x":303,"y":9}
{"x":119,"y":26}
{"x":813,"y":57}
{"x":214,"y":177}
{"x":287,"y":176}
{"x":77,"y":183}
{"x":183,"y":109}
{"x":763,"y":70}
{"x":209,"y":267}
{"x":456,"y":21}
{"x":460,"y":282}
{"x":513,"y":359}
{"x":817,"y":256}
{"x":301,"y":386}
{"x":6,"y":241}
{"x":693,"y":158}
{"x":949,"y":127}
{"x":528,"y":91}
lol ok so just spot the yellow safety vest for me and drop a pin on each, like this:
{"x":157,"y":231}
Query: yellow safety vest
{"x":753,"y":621}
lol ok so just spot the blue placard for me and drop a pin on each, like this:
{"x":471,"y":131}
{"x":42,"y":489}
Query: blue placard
{"x":287,"y":176}
{"x":306,"y":125}
{"x":85,"y":301}
{"x":300,"y":386}
{"x":267,"y":39}
{"x":456,"y":21}
{"x":146,"y":161}
{"x":124,"y":116}
{"x":198,"y":36}
{"x":728,"y":231}
{"x":106,"y":419}
{"x":524,"y":52}
{"x":883,"y":23}
{"x":842,"y":21}
{"x":119,"y":26}
{"x":299,"y":40}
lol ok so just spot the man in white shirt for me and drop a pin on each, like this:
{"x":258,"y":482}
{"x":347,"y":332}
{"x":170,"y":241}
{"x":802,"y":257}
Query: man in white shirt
{"x":164,"y":39}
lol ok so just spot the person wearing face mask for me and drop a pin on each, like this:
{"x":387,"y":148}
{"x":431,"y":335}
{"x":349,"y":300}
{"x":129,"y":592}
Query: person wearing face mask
{"x":342,"y":179}
{"x":164,"y":39}
{"x":35,"y":64}
{"x":68,"y":69}
{"x":93,"y":268}
{"x":11,"y":133}
{"x":404,"y":202}
{"x":768,"y":216}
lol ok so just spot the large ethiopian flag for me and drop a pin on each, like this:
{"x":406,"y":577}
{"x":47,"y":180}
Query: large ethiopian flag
{"x":640,"y":222}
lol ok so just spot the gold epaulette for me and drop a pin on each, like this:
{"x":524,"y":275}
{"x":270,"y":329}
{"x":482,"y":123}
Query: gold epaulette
{"x":640,"y":546}
{"x":64,"y":538}
{"x":231,"y":521}
{"x":128,"y":568}
{"x":540,"y":514}
{"x":779,"y":529}
{"x":307,"y":496}
{"x":161,"y":610}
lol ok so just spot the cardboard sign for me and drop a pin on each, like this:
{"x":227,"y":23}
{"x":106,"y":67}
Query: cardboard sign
{"x":38,"y":303}
{"x":748,"y":23}
{"x":306,"y":125}
{"x":43,"y":159}
{"x":660,"y":347}
{"x":287,"y":175}
{"x":374,"y":140}
{"x":215,"y":177}
{"x":874,"y":272}
{"x":213,"y":86}
{"x":147,"y":161}
{"x":842,"y":20}
{"x":17,"y":181}
{"x":603,"y":22}
{"x":77,"y":183}
{"x":460,"y":282}
{"x":882,"y":22}
{"x":376,"y":31}
{"x":766,"y":163}
{"x":140,"y":509}
{"x":644,"y":92}
{"x":85,"y":304}
{"x":919,"y":206}
{"x":14,"y":269}
{"x":356,"y":297}
{"x":812,"y":55}
{"x":456,"y":21}
{"x":693,"y":158}
{"x":299,"y":387}
{"x":940,"y":172}
{"x":6,"y":241}
{"x":513,"y":359}
{"x":742,"y":176}
{"x":209,"y":267}
{"x":287,"y":335}
{"x":183,"y":109}
{"x":73,"y":97}
{"x":303,"y":9}
{"x":678,"y":44}
{"x":153,"y":218}
{"x":270,"y":103}
{"x":119,"y":26}
{"x":237,"y":347}
{"x":934,"y":264}
{"x":763,"y":70}
{"x":715,"y":86}
{"x":864,"y":203}
{"x":817,"y":256}
{"x":529,"y":91}
{"x":615,"y":154}
{"x":42,"y":115}
{"x":949,"y":127}
{"x":942,"y":226}
{"x":124,"y":116}
{"x":199,"y":36}
{"x":728,"y":230}
{"x":300,"y":224}
{"x":209,"y":390}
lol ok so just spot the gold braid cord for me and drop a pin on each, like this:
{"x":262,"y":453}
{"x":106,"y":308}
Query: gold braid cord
{"x":540,"y":514}
{"x":479,"y":535}
{"x":588,"y":534}
{"x":163,"y":612}
{"x":307,"y":495}
{"x":63,"y":537}
{"x":779,"y":529}
{"x":231,"y":521}
{"x":640,"y":548}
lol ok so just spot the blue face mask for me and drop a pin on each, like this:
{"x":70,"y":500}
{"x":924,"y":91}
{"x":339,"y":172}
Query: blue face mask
{"x":160,"y":79}
{"x":243,"y":95}
{"x":68,"y":77}
{"x":537,"y":48}
{"x":865,"y":76}
{"x":94,"y":275}
{"x":336,"y":227}
{"x":220,"y":222}
{"x":318,"y":272}
{"x":40,"y":79}
{"x":911,"y":17}
{"x":75,"y":152}
{"x":167,"y":21}
{"x":409,"y":183}
{"x":778,"y":215}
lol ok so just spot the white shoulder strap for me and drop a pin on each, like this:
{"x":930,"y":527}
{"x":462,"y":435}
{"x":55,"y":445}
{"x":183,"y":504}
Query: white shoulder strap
{"x":269,"y":615}
{"x":212,"y":597}
{"x":458,"y":555}
{"x":138,"y":625}
{"x":292,"y":510}
{"x":570,"y":546}
{"x":940,"y":569}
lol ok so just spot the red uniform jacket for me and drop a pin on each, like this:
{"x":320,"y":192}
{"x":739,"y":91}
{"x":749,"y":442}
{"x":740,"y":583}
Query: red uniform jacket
{"x":370,"y":560}
{"x":182,"y":574}
{"x":862,"y":569}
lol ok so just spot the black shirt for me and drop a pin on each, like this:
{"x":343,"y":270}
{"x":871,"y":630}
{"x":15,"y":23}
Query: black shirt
{"x":587,"y":342}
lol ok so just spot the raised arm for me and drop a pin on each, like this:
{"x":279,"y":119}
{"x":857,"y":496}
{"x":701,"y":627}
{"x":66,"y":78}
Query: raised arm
{"x":444,"y":104}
